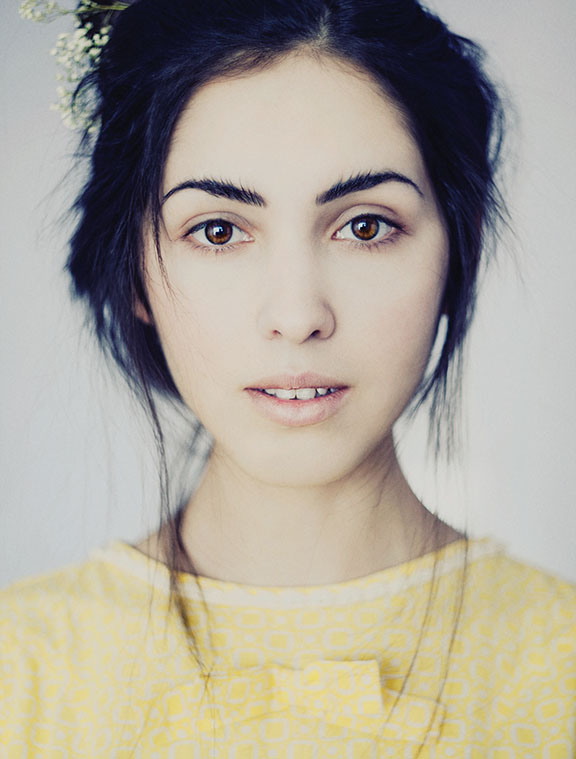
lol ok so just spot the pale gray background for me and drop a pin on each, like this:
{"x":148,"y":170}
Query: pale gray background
{"x":76,"y":468}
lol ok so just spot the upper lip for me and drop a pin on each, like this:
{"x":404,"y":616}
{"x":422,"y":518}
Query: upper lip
{"x":295,"y":381}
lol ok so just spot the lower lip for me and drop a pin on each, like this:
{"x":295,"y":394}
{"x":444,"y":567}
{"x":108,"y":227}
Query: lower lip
{"x":295,"y":413}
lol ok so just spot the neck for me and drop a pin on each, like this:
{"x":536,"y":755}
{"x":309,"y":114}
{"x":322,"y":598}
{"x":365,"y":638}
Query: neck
{"x":238,"y":529}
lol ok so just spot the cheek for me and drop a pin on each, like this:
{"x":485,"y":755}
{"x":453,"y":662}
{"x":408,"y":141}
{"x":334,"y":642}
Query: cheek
{"x":199,"y":335}
{"x":394,"y":352}
{"x":415,"y":320}
{"x":400,"y":317}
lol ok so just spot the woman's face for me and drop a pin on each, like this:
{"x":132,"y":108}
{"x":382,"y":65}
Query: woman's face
{"x":301,"y":237}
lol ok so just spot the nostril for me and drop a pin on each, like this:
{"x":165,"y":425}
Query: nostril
{"x":295,"y":322}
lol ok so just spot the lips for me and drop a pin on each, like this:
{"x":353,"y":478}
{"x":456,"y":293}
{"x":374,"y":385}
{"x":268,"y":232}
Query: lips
{"x":296,"y":382}
{"x":298,"y":412}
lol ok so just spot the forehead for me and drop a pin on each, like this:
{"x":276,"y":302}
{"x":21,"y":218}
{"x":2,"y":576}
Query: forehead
{"x":299,"y":124}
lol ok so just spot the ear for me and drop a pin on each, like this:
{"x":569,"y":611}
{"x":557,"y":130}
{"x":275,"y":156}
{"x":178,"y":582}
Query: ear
{"x":444,"y":308}
{"x":142,"y":313}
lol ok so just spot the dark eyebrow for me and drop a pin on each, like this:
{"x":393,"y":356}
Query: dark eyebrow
{"x":343,"y":187}
{"x":220,"y":190}
{"x":364,"y":182}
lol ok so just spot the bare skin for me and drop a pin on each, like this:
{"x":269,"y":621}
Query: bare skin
{"x":296,"y":290}
{"x":351,"y":541}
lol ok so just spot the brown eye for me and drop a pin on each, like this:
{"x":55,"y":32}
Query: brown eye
{"x":365,"y":227}
{"x":371,"y":229}
{"x":218,"y":232}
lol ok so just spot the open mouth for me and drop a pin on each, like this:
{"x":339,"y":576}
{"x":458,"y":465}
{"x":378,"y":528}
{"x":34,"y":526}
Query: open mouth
{"x":298,"y":407}
{"x":300,"y":394}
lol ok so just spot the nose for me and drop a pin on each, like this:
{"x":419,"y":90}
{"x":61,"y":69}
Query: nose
{"x":294,"y":305}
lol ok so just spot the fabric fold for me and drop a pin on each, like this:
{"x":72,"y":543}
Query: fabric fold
{"x":346,"y":694}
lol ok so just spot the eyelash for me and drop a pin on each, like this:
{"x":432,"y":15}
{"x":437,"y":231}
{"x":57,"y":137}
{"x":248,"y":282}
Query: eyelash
{"x":396,"y":230}
{"x":214,"y":248}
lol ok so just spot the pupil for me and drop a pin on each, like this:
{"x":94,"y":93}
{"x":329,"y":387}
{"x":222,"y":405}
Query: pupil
{"x":218,"y":232}
{"x":365,"y":228}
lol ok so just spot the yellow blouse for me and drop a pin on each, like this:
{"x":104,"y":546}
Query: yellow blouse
{"x":452,"y":655}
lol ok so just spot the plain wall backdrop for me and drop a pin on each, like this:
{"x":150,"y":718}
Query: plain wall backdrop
{"x":76,"y":467}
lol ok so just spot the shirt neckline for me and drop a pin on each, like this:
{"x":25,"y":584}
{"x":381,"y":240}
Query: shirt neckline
{"x":382,"y":583}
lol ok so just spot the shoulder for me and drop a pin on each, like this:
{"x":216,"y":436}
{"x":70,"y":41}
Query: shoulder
{"x":521,"y":613}
{"x":73,"y":643}
{"x":506,"y":586}
{"x":80,"y":624}
{"x":55,"y":607}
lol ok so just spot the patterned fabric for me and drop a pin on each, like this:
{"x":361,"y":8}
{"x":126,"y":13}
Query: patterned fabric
{"x":462,"y":653}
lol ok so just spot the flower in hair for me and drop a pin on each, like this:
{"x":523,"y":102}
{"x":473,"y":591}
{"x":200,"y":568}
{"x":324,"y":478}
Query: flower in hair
{"x":76,"y":53}
{"x":40,"y":10}
{"x":48,"y":10}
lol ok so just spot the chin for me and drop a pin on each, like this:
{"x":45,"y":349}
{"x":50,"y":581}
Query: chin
{"x":301,"y":465}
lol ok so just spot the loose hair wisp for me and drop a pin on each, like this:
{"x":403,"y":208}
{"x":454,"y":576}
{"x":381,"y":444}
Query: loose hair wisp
{"x":160,"y":53}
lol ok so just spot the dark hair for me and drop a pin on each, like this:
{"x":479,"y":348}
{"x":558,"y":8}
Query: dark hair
{"x":160,"y":53}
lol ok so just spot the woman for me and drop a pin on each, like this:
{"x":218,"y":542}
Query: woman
{"x":285,"y":213}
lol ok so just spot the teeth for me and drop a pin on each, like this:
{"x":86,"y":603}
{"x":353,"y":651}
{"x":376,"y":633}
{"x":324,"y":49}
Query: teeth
{"x":285,"y":395}
{"x":305,"y":393}
{"x":301,"y":394}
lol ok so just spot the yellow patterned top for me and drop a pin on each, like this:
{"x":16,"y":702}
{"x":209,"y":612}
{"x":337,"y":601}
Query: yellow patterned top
{"x":92,"y":665}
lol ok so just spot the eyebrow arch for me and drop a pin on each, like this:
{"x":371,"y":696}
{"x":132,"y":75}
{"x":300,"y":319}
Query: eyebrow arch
{"x":218,"y":189}
{"x":363,"y":181}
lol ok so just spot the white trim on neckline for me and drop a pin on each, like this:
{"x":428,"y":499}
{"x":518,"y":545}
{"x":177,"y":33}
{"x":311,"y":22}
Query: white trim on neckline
{"x":382,"y":584}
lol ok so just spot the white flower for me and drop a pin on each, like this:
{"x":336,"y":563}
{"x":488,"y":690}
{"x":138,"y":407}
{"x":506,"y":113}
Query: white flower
{"x":77,"y":53}
{"x":41,"y":10}
{"x":48,"y":10}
